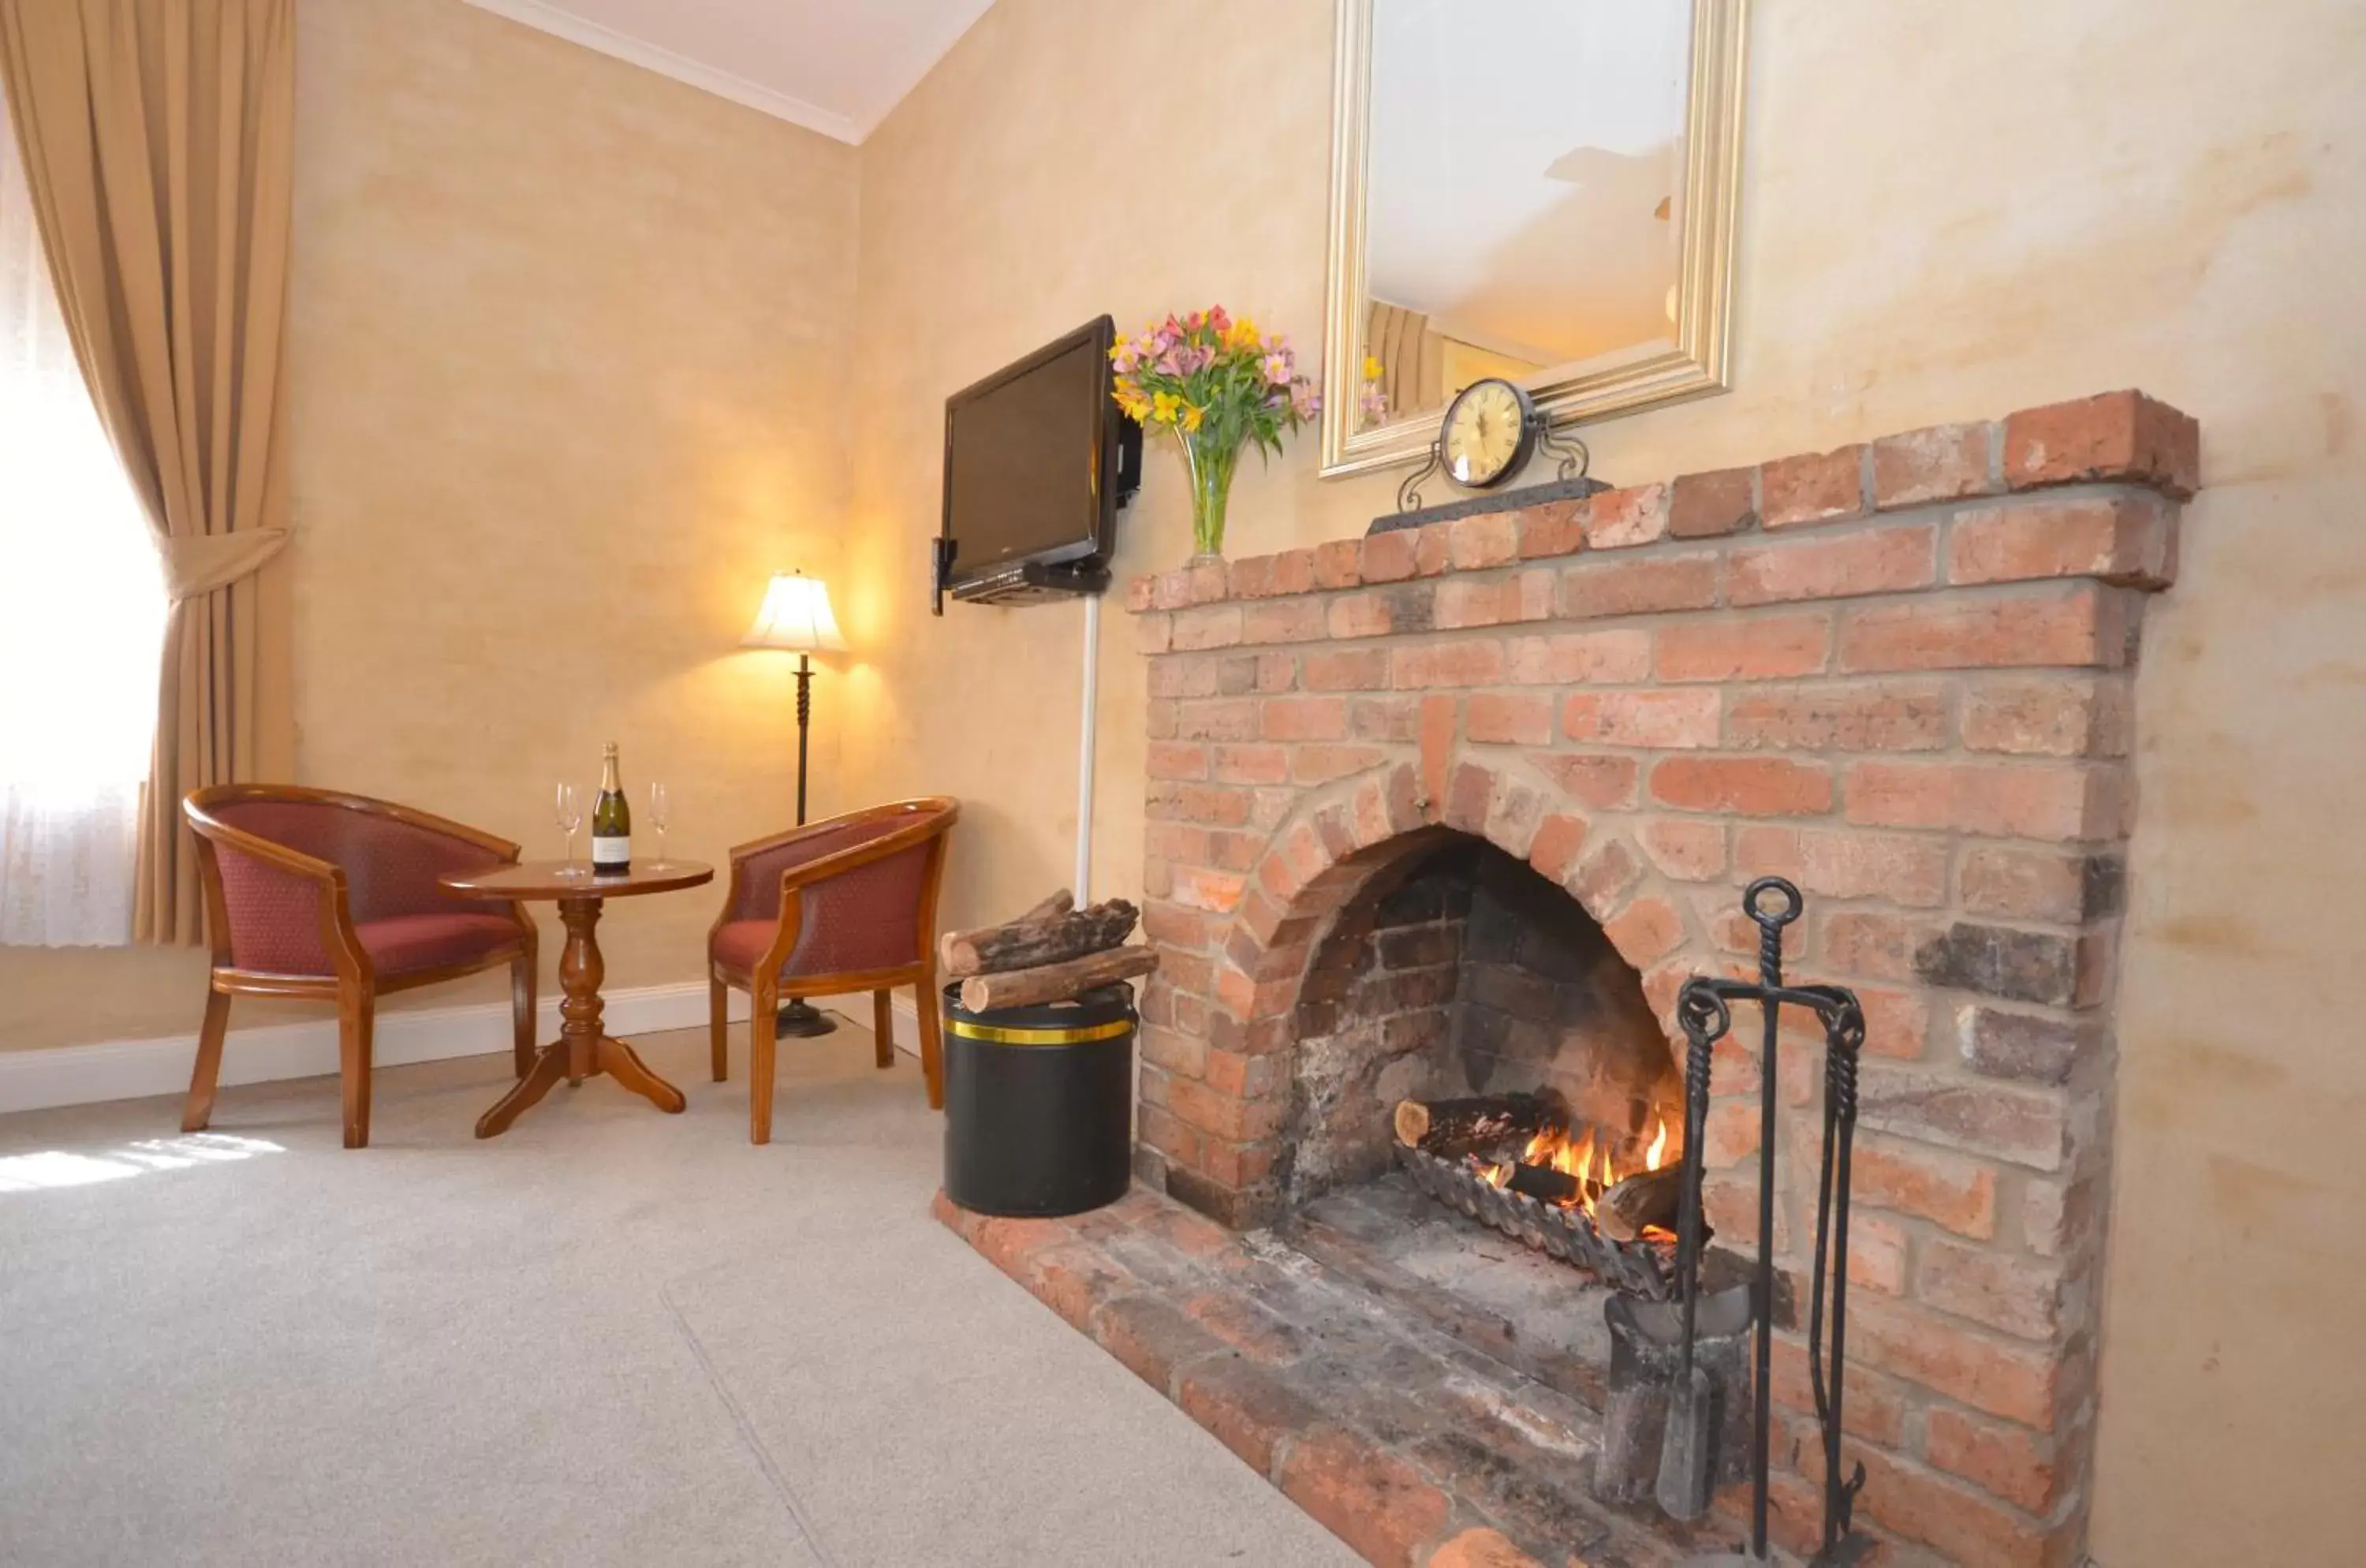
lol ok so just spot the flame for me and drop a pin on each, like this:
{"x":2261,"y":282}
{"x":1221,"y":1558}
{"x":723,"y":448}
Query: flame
{"x":1587,"y":1158}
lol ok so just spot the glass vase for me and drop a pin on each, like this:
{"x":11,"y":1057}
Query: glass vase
{"x":1211,"y":461}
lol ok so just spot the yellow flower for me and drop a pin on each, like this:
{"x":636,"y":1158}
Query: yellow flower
{"x":1192,"y":415}
{"x":1163,"y":407}
{"x":1132,"y":403}
{"x":1243,"y":335}
{"x":1372,"y":368}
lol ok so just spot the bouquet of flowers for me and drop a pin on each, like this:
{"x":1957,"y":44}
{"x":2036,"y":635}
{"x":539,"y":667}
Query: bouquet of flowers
{"x":1218,"y":384}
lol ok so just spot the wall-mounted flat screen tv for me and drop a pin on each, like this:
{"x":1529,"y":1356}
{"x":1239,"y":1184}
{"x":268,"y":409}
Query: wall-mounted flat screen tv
{"x":1037,"y":464}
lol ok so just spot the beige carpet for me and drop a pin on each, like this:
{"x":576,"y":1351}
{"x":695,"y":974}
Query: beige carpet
{"x":608,"y":1337}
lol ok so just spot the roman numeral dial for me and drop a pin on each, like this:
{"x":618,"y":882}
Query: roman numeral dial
{"x":1487,"y":434}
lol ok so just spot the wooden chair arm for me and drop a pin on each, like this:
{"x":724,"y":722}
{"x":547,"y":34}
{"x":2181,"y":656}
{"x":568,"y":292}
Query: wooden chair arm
{"x":339,"y":942}
{"x":755,"y":847}
{"x":843,"y":860}
{"x":255,"y":848}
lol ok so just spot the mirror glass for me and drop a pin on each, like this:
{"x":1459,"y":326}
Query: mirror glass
{"x":1521,"y":212}
{"x":1517,"y":192}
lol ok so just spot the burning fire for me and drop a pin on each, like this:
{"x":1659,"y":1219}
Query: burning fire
{"x":1588,"y":1160}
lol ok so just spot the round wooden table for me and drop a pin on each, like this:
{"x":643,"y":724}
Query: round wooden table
{"x":581,"y":1051}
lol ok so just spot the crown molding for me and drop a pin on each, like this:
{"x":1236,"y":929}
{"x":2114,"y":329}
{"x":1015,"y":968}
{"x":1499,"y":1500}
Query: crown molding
{"x":544,"y":17}
{"x":957,"y":29}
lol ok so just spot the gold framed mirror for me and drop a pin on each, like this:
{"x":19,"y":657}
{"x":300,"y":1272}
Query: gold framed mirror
{"x":1543,"y":190}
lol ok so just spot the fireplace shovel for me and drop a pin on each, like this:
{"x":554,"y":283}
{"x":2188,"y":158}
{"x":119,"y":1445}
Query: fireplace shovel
{"x":1696,"y":1414}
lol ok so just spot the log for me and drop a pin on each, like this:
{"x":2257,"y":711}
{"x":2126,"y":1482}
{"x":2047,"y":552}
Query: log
{"x":1654,"y":1198}
{"x":1036,"y":941}
{"x":1058,"y":904}
{"x":1545,"y":1184}
{"x":1055,"y":982}
{"x":1450,"y":1127}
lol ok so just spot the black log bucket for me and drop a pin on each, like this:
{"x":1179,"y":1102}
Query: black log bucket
{"x":1039,"y":1104}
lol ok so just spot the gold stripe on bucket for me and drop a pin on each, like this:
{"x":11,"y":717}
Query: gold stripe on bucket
{"x":1025,"y":1036}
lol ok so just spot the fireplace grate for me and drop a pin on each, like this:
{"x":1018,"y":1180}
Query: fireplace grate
{"x":1642,"y":1267}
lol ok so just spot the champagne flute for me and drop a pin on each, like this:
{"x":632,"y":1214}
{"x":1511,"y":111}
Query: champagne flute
{"x":567,"y":812}
{"x":660,"y":803}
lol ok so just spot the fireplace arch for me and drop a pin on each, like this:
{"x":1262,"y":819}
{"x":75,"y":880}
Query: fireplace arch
{"x":1222,"y":1090}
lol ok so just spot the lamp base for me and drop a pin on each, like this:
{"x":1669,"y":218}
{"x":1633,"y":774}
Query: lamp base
{"x":802,"y":1019}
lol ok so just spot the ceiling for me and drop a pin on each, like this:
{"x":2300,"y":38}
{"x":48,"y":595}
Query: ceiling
{"x":835,"y":66}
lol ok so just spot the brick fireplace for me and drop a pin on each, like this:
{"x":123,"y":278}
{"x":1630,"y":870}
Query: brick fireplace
{"x":1461,"y":806}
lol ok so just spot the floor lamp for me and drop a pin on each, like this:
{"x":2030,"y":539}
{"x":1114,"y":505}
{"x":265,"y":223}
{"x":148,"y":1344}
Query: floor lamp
{"x":796,"y":616}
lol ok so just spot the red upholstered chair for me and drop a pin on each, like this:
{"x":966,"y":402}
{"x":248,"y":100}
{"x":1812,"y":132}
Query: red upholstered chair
{"x":845,"y":905}
{"x":309,"y":892}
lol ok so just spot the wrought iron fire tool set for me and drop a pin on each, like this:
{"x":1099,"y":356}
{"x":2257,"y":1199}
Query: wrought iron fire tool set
{"x":1689,"y":1459}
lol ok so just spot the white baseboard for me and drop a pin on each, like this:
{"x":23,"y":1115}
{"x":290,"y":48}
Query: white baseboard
{"x":129,"y":1069}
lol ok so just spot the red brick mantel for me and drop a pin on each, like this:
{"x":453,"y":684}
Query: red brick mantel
{"x":1898,"y":673}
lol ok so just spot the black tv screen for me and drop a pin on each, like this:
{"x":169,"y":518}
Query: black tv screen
{"x":1029,"y":457}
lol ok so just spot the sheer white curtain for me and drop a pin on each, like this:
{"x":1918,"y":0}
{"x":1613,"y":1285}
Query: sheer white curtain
{"x":82,"y":616}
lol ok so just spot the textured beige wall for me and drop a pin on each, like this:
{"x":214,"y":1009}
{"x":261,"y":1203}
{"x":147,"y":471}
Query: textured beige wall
{"x":1949,"y":213}
{"x":568,"y":339}
{"x":567,"y":347}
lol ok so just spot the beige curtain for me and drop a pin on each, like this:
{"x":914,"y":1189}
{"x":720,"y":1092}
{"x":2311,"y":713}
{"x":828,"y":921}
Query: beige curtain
{"x":1412,"y":358}
{"x":158,"y":139}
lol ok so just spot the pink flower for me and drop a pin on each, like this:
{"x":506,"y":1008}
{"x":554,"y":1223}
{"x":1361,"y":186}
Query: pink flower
{"x":1277,"y":369}
{"x":1125,"y":359}
{"x":1171,"y":364}
{"x":1304,"y":400}
{"x":1217,"y":321}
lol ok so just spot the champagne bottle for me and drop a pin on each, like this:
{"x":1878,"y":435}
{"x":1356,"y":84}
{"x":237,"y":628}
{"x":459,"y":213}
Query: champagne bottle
{"x":612,"y":822}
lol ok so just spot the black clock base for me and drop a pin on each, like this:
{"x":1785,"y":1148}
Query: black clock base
{"x":1494,"y":500}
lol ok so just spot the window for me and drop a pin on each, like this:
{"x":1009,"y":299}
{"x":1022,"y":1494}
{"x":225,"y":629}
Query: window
{"x":82,"y":616}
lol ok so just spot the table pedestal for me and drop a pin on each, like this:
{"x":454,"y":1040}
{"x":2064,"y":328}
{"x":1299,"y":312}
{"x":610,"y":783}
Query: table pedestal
{"x":581,"y":1051}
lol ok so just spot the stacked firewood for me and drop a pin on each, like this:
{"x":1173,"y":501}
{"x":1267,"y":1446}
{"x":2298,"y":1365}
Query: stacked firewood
{"x":1499,"y":1129}
{"x":1054,"y":953}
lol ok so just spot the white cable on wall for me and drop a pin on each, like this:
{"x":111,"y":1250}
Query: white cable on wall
{"x":1085,"y":749}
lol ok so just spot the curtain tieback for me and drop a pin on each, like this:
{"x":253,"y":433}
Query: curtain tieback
{"x":196,"y":564}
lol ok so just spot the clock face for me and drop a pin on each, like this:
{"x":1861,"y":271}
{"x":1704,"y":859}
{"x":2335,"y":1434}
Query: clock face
{"x":1485,"y":432}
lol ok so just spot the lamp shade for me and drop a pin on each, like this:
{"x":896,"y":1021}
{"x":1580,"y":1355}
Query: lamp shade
{"x":795,"y":616}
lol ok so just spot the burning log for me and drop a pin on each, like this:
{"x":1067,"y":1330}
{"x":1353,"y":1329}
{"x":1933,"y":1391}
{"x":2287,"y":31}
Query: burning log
{"x":1449,"y":1127}
{"x":1055,"y":982}
{"x":1046,"y":935}
{"x":1653,"y":1199}
{"x":1545,"y":1184}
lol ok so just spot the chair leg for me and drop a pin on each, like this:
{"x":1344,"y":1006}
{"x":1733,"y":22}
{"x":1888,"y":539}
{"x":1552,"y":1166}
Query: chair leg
{"x":932,"y":1040}
{"x":883,"y":1026}
{"x":522,"y":1012}
{"x":357,"y":1016}
{"x":199,"y":1110}
{"x":764,"y":1002}
{"x":718,"y":1031}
